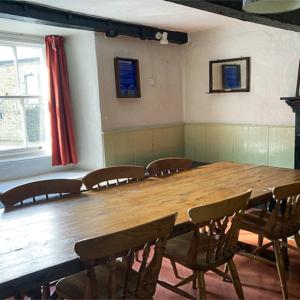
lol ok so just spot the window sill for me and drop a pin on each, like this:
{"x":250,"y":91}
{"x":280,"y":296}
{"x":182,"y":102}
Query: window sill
{"x":23,"y":156}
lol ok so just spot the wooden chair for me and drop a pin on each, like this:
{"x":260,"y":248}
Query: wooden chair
{"x":112,"y":176}
{"x":116,"y":279}
{"x":282,"y":222}
{"x":212,"y":243}
{"x":166,"y":166}
{"x":32,"y":190}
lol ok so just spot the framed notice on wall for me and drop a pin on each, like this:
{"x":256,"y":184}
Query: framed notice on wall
{"x":127,"y":78}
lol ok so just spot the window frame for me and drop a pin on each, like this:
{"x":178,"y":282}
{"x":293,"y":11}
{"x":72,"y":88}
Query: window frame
{"x":15,"y":40}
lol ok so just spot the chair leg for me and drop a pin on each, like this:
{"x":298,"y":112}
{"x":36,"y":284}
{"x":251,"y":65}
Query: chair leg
{"x":195,"y":281}
{"x":297,"y":240}
{"x":201,"y":285}
{"x":235,"y":279}
{"x":260,"y":241}
{"x":280,"y":268}
{"x":173,"y":264}
{"x":285,"y":253}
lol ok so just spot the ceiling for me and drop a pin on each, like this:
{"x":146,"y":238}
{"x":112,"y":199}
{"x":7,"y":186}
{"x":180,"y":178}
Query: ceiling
{"x":156,"y":13}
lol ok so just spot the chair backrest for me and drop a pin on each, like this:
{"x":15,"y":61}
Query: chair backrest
{"x":166,"y":166}
{"x":32,"y":190}
{"x":103,"y":177}
{"x":113,"y":245}
{"x":284,"y":219}
{"x":220,"y":222}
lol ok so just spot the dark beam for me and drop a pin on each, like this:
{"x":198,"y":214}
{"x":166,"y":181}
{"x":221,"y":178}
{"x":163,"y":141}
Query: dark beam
{"x":28,"y":12}
{"x":233,"y":9}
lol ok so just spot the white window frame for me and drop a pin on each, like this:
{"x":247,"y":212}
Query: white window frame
{"x":14,"y":40}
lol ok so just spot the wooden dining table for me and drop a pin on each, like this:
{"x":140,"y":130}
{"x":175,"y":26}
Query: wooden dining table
{"x":37,"y":241}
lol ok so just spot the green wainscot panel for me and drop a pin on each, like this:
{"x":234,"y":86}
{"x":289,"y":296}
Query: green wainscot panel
{"x":219,"y":143}
{"x":168,"y":141}
{"x":258,"y":145}
{"x":212,"y":140}
{"x":109,"y":149}
{"x":240,"y":143}
{"x":124,"y":145}
{"x":281,"y":146}
{"x":143,"y":146}
{"x":264,"y":145}
{"x":200,"y":145}
{"x":190,"y":141}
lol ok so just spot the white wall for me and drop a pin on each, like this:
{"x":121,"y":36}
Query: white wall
{"x":274,"y":56}
{"x":84,"y":87}
{"x":161,"y":103}
{"x":81,"y":57}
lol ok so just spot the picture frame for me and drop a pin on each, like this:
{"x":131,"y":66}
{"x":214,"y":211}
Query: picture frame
{"x":229,"y":75}
{"x":127,"y":77}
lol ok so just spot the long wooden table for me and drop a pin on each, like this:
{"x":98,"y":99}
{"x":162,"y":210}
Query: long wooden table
{"x":36,"y":241}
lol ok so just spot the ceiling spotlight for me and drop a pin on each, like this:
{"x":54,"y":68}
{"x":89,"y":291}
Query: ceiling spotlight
{"x":162,"y":37}
{"x":111,"y":33}
{"x":270,"y":6}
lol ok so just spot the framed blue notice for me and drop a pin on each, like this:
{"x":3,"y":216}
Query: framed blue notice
{"x":127,"y":78}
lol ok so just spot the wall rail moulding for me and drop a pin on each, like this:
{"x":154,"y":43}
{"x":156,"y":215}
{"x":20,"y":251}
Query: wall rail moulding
{"x":28,"y":12}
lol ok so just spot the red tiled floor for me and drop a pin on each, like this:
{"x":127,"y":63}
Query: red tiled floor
{"x":260,"y":281}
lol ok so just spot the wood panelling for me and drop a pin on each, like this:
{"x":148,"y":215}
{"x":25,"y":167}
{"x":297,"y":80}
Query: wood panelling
{"x":281,"y":146}
{"x":141,"y":146}
{"x":265,"y":145}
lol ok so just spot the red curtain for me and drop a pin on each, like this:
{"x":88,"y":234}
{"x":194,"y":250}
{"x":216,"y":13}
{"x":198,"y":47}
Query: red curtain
{"x":62,"y":133}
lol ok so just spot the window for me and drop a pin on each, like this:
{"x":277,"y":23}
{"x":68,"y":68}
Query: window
{"x":23,"y":106}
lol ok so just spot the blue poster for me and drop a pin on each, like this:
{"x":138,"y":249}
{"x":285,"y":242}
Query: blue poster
{"x":231,"y":76}
{"x":127,"y":78}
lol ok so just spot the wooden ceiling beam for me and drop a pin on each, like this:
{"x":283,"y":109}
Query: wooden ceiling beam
{"x":233,"y":9}
{"x":28,"y":12}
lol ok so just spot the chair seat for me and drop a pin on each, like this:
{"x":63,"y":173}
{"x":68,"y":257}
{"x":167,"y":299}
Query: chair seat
{"x":74,"y":286}
{"x":177,"y":250}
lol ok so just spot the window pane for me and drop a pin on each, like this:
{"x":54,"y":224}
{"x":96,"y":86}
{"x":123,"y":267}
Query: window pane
{"x":21,"y":123}
{"x":22,"y":120}
{"x":8,"y":75}
{"x":29,"y":68}
{"x":11,"y":124}
{"x":34,"y":118}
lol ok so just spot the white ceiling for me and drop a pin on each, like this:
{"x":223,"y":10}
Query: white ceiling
{"x":156,"y":13}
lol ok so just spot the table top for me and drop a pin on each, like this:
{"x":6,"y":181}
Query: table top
{"x":36,"y":239}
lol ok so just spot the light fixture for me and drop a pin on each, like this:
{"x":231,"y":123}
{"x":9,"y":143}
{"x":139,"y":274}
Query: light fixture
{"x":270,"y":6}
{"x":162,"y":37}
{"x":111,"y":32}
